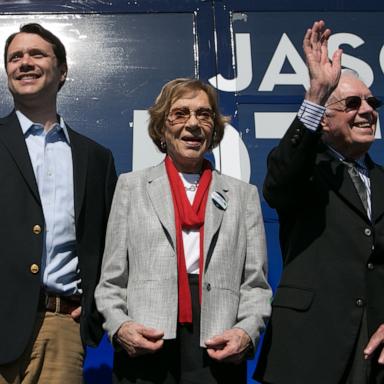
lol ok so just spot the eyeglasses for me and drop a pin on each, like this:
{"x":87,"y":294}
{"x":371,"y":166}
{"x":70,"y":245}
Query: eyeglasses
{"x":182,"y":115}
{"x":353,"y":103}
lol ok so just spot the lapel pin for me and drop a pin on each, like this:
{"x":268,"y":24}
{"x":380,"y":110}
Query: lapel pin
{"x":219,"y":200}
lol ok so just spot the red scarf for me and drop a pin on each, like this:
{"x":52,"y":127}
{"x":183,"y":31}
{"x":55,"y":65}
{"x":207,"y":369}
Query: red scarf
{"x":188,"y":216}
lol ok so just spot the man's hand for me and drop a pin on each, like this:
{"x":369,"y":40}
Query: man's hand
{"x":75,"y":314}
{"x":231,"y":346}
{"x":324,"y":74}
{"x":376,"y":343}
{"x":139,"y":340}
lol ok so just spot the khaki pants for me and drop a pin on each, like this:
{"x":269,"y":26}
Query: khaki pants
{"x":55,"y":354}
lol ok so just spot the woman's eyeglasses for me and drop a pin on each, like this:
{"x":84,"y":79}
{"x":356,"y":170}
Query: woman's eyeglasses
{"x":182,"y":115}
{"x":353,"y":103}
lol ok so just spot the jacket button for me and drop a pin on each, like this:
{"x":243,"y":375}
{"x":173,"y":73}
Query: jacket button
{"x":208,"y":287}
{"x":360,"y":302}
{"x":370,"y":266}
{"x":367,"y":232}
{"x":35,"y":269}
{"x":36,"y":229}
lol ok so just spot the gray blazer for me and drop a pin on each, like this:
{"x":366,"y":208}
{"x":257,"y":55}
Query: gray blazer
{"x":139,"y":271}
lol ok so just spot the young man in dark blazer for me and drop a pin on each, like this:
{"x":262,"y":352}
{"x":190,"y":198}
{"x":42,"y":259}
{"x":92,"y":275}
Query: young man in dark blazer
{"x":55,"y":196}
{"x":328,"y":313}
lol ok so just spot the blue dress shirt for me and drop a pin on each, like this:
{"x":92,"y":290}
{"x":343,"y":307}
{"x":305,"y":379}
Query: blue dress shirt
{"x":51,"y":158}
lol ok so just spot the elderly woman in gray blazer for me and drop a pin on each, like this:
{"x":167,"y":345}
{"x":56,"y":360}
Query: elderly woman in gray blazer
{"x":183,"y":286}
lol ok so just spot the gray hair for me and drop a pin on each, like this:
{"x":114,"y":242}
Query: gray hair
{"x":350,"y":72}
{"x":344,"y":72}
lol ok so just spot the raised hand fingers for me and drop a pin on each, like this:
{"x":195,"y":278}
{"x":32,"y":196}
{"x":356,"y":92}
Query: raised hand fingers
{"x":323,"y":74}
{"x":316,"y":39}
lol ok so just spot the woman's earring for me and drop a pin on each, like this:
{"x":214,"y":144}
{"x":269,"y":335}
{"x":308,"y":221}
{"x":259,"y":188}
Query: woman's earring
{"x":163,"y":145}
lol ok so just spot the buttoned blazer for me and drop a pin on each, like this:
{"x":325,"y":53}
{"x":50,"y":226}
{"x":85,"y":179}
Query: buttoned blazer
{"x":139,"y":271}
{"x":21,"y":247}
{"x":333,"y":265}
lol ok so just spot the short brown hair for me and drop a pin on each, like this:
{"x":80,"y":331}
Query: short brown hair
{"x":171,"y":92}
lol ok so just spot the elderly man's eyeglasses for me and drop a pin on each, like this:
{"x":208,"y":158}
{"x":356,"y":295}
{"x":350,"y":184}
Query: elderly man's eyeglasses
{"x":353,"y":103}
{"x":182,"y":115}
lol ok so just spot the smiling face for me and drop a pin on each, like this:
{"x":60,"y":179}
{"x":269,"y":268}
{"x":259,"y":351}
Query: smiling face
{"x":33,"y":70}
{"x":188,"y":141}
{"x":351,"y":131}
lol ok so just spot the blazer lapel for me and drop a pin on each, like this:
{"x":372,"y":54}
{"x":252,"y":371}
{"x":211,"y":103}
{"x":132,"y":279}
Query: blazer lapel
{"x":160,"y":195}
{"x":376,"y":176}
{"x":80,"y":163}
{"x":13,"y":139}
{"x":214,"y":214}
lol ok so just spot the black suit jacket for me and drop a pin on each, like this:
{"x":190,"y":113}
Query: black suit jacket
{"x":333,"y":262}
{"x":20,"y":210}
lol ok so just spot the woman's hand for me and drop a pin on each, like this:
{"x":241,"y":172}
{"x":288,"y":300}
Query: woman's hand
{"x":138,"y":340}
{"x":231,"y":346}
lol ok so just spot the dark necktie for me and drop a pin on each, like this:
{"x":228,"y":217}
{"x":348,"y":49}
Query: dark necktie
{"x":359,"y":184}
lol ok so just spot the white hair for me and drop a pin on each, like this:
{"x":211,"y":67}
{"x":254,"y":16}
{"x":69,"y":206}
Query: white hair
{"x":349,"y":72}
{"x":344,"y":72}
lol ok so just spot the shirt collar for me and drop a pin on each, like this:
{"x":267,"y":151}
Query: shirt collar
{"x":26,"y":124}
{"x":360,"y":161}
